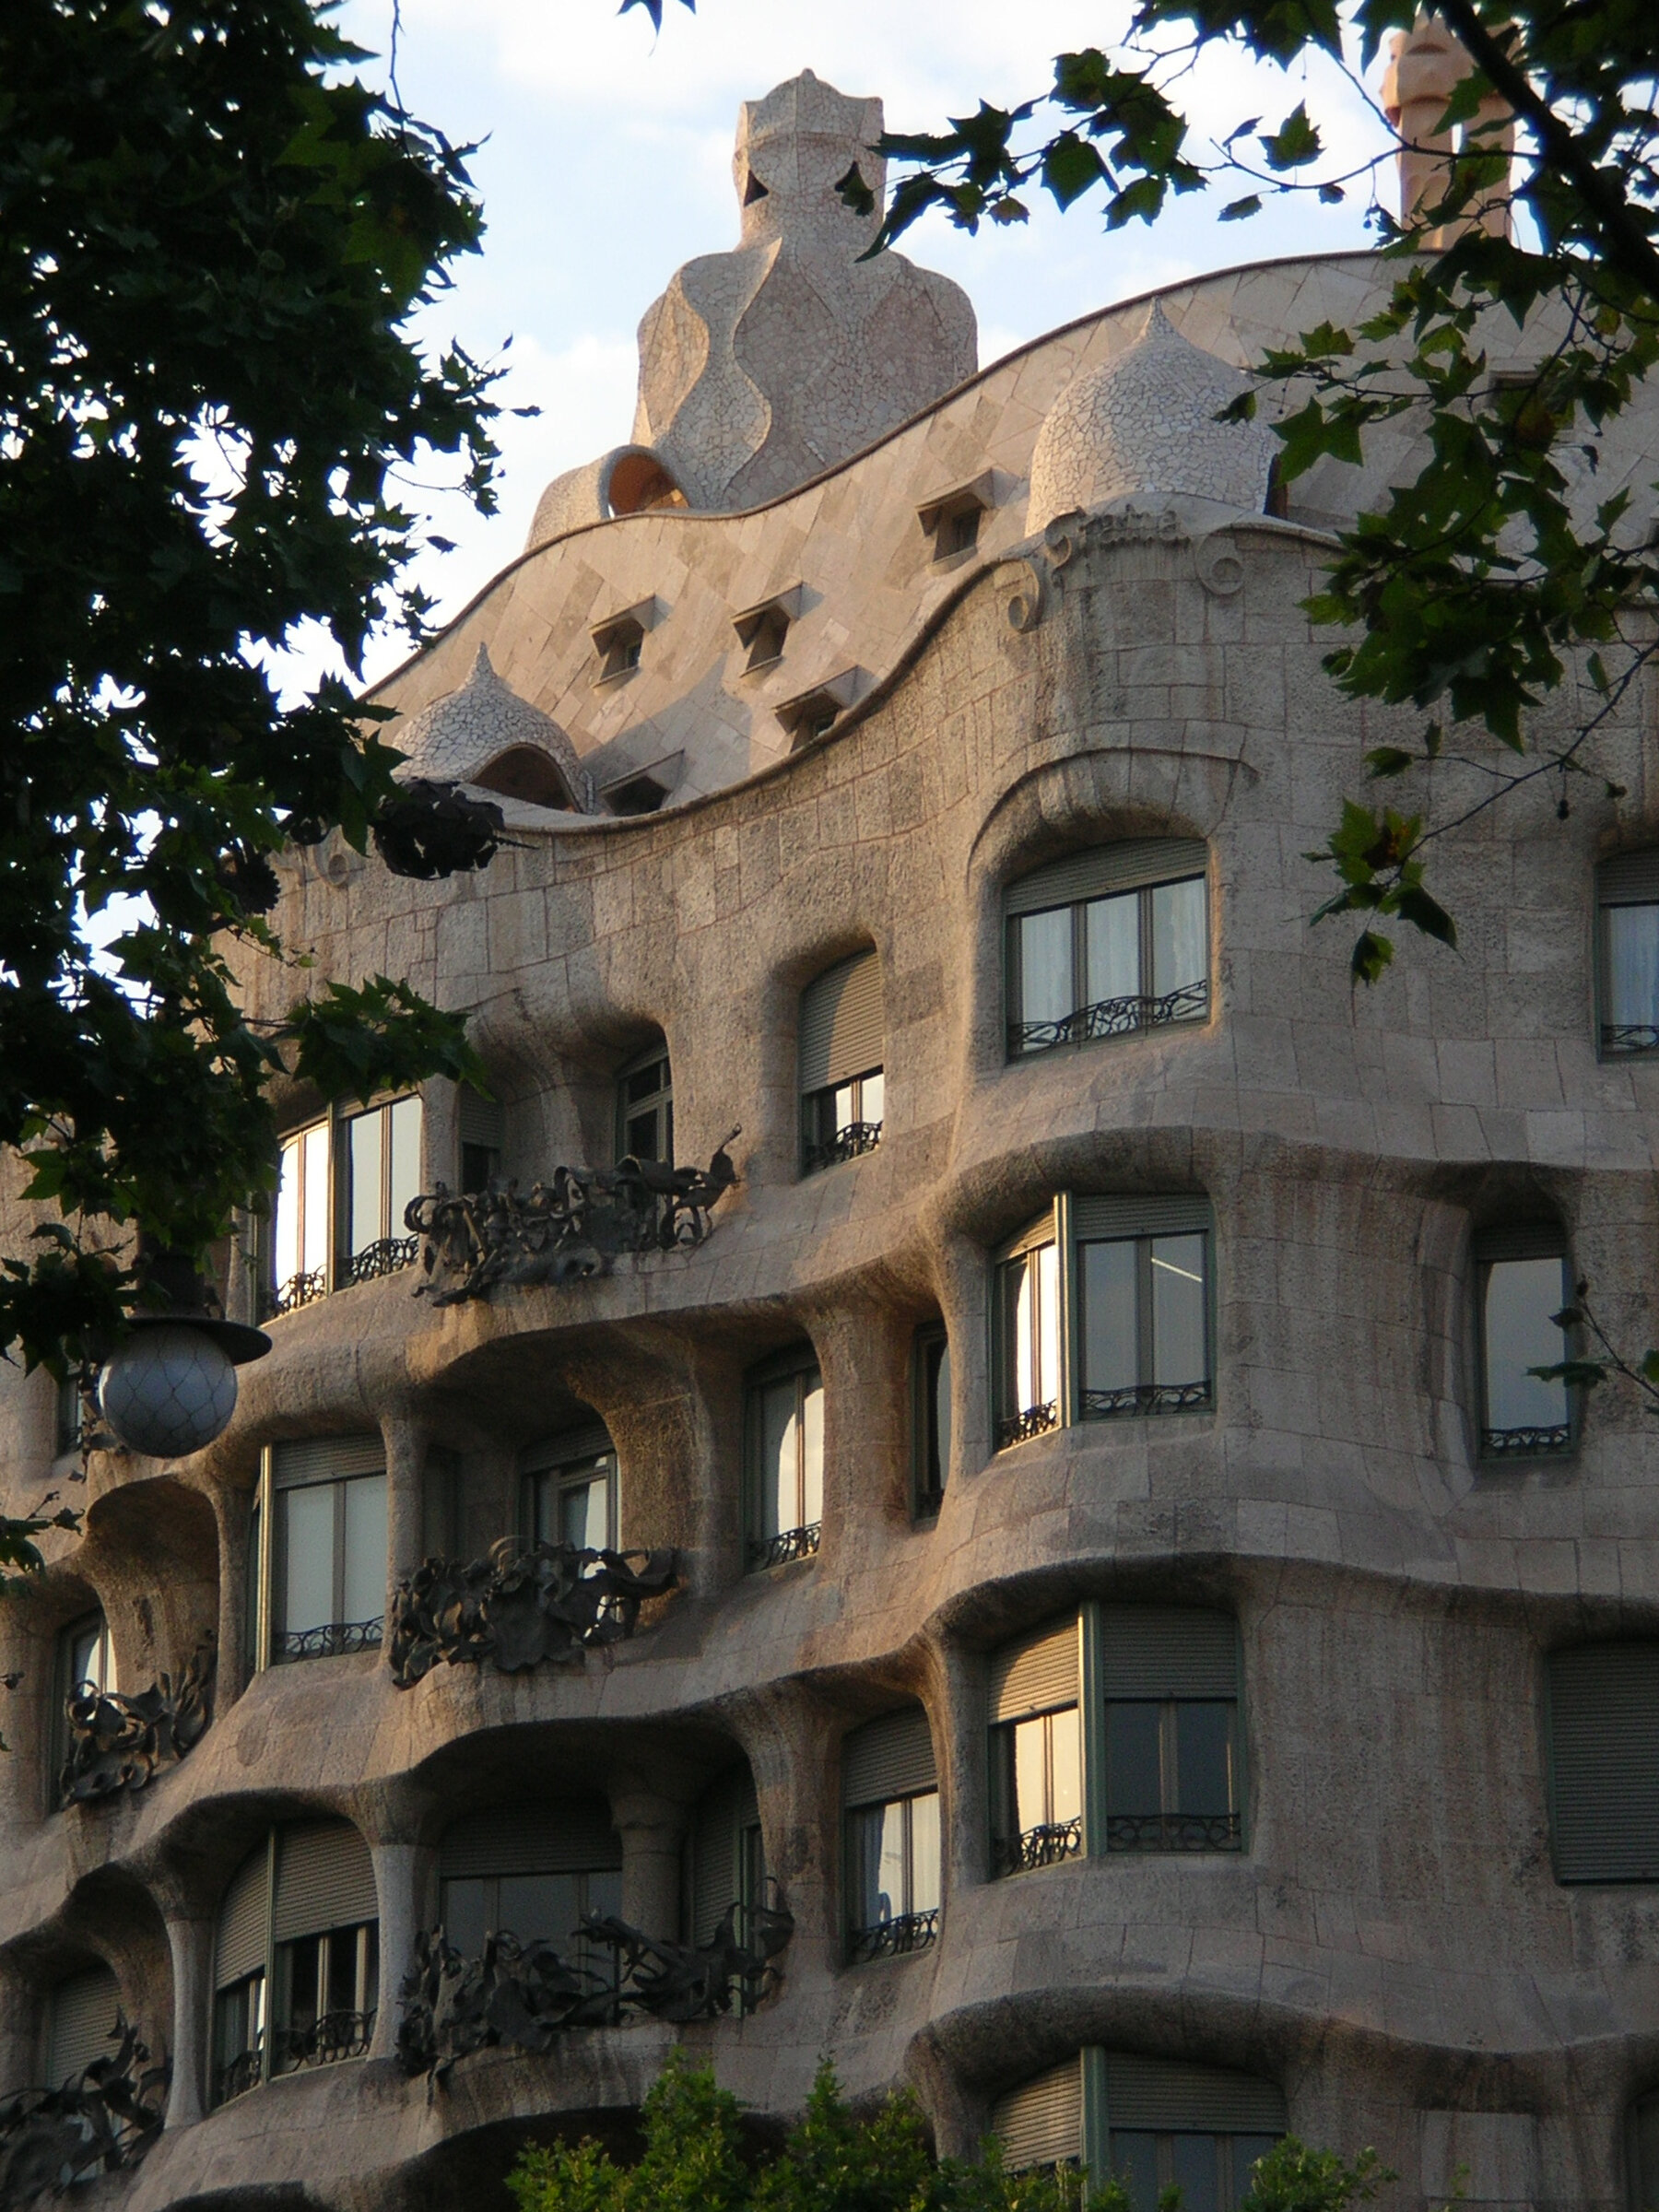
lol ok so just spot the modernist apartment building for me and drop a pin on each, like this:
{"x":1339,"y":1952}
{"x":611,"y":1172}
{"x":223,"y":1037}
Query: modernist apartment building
{"x":1107,"y":1609}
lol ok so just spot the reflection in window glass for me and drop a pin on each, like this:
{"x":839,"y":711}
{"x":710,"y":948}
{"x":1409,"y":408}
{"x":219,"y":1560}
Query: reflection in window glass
{"x":645,"y":1109}
{"x":893,"y":1875}
{"x":1631,"y":978}
{"x":1110,"y":1330}
{"x":1179,"y":1352}
{"x":1518,"y":1333}
{"x":932,"y":1404}
{"x":1171,"y":1774}
{"x":573,"y":1501}
{"x":1104,"y":967}
{"x":1212,"y":2172}
{"x":1046,"y":997}
{"x":308,"y":1587}
{"x":330,"y":1567}
{"x":1144,"y":1330}
{"x":1037,"y":1791}
{"x":1180,"y":953}
{"x":300,"y":1232}
{"x":786,"y":1431}
{"x":1028,"y":1294}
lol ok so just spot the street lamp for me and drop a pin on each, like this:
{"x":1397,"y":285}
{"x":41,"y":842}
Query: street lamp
{"x":170,"y":1387}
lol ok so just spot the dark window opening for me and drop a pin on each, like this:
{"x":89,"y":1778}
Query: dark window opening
{"x":525,"y":773}
{"x":619,"y":644}
{"x":930,"y":1385}
{"x":640,"y":794}
{"x":645,"y":1107}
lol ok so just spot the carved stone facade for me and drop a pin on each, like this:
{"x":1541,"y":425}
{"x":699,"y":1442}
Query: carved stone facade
{"x":1383,"y":1922}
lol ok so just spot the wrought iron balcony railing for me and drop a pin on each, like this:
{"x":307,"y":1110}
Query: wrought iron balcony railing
{"x":302,"y":1289}
{"x":239,"y":2074}
{"x":336,"y":2036}
{"x":121,"y":1743}
{"x":1034,"y":1420}
{"x":851,"y":1143}
{"x":1173,"y":1832}
{"x":1110,"y":1017}
{"x":894,"y":1938}
{"x":388,"y":1255}
{"x":1036,"y":1847}
{"x":332,"y":1641}
{"x":522,"y":1603}
{"x":1144,"y":1397}
{"x":1630,"y":1037}
{"x":1526,"y":1443}
{"x":95,"y":2123}
{"x":788,"y":1543}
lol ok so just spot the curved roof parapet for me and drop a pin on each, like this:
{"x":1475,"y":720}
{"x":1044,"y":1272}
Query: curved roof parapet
{"x":485,"y":734}
{"x":628,"y":480}
{"x":1145,"y":421}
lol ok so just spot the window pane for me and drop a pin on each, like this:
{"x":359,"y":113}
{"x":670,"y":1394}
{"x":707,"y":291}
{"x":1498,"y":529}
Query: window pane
{"x":938,"y":1440}
{"x":1045,"y":954}
{"x":871,"y":1097}
{"x":869,"y":1901}
{"x":308,"y":1527}
{"x":1246,"y":2150}
{"x":1179,"y":954}
{"x":405,"y":1119}
{"x":924,"y":1853}
{"x":88,"y":1653}
{"x":1134,"y":2157}
{"x":812,"y":1452}
{"x":314,"y":1249}
{"x":1195,"y":2162}
{"x":1112,"y":940}
{"x":584,"y":1515}
{"x":1030,"y":1775}
{"x":461,"y":1908}
{"x":1108,"y":1330}
{"x":604,"y":1891}
{"x":364,"y":1596}
{"x":1134,"y":1786}
{"x":842,"y":1115}
{"x":1520,"y":1295}
{"x":1048,"y":1326}
{"x":1066,"y":1754}
{"x":285,"y":1235}
{"x":365,"y":1134}
{"x":1632,"y":965}
{"x":1203,"y":1758}
{"x":537,"y":1508}
{"x":640,"y":1139}
{"x":540,"y":1907}
{"x":1179,"y":1353}
{"x":343,"y":1949}
{"x":298,"y":1966}
{"x":778,"y":1452}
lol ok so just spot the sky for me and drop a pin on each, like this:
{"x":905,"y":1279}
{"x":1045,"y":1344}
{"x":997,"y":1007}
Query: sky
{"x":604,"y":163}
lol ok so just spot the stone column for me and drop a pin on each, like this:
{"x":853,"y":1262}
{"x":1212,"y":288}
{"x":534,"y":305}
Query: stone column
{"x":405,"y":1443}
{"x":959,"y":1739}
{"x":191,"y":1942}
{"x":232,"y":1509}
{"x":399,"y":1878}
{"x":652,"y":1828}
{"x":791,"y":1738}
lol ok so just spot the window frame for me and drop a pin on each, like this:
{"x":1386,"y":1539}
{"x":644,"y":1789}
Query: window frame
{"x":930,"y":1453}
{"x":64,"y":1688}
{"x":1137,"y":867}
{"x":802,"y":1542}
{"x":659,"y":1103}
{"x":1622,"y":881}
{"x":342,"y":1268}
{"x":916,"y":1928}
{"x":825,"y":1140}
{"x":1494,"y":1247}
{"x":573,"y":1463}
{"x":268,"y":1525}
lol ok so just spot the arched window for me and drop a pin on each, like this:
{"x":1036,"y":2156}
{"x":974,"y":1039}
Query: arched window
{"x":842,"y":1046}
{"x":295,"y":1956}
{"x":532,"y":1871}
{"x":1107,"y":941}
{"x":568,"y":1489}
{"x":1523,"y":1281}
{"x":890,"y":1792}
{"x":1627,"y":952}
{"x":784,"y":1451}
{"x":645,"y":1105}
{"x":80,"y":2018}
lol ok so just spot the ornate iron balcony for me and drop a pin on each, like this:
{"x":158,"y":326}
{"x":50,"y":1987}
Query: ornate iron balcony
{"x":242,"y":2073}
{"x":1630,"y":1037}
{"x":788,"y":1543}
{"x":389,"y":1256}
{"x":1519,"y":1443}
{"x":851,"y":1143}
{"x":302,"y":1289}
{"x":104,"y":2120}
{"x":1036,"y":1421}
{"x":1173,"y":1832}
{"x":337,"y":2035}
{"x":521,"y":1604}
{"x":894,"y":1938}
{"x":330,"y":1642}
{"x":1039,"y":1847}
{"x":1144,"y":1397}
{"x":121,"y":1743}
{"x":1110,"y":1017}
{"x":563,"y":1230}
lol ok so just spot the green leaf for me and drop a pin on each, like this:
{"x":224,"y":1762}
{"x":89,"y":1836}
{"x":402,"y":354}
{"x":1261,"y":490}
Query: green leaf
{"x":1294,"y":143}
{"x":1236,"y":210}
{"x":1372,"y":955}
{"x":1388,"y":760}
{"x":1070,"y":165}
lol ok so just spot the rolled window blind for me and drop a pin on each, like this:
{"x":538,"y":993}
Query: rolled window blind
{"x":842,"y":1023}
{"x":1167,"y":2094}
{"x":1630,"y":878}
{"x":1099,"y":870}
{"x":481,"y":1119}
{"x":1041,"y":2123}
{"x":1098,"y":1218}
{"x":577,"y":1837}
{"x":1041,"y":1232}
{"x":1520,"y":1240}
{"x":81,"y":2012}
{"x":1604,"y":1723}
{"x":727,"y":1808}
{"x":567,"y":1449}
{"x":241,"y":1946}
{"x":327,"y":1458}
{"x":324,"y":1880}
{"x":1167,"y":1651}
{"x":890,"y":1757}
{"x":1036,"y":1675}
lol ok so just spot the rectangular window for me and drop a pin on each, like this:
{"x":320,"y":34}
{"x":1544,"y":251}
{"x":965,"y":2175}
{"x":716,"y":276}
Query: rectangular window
{"x":1603,"y":1762}
{"x":1522,"y":1282}
{"x":1628,"y":902}
{"x":328,"y":1580}
{"x":929,"y":1416}
{"x":302,"y":1229}
{"x":843,"y":1089}
{"x":1154,"y":2124}
{"x":571,"y":1499}
{"x":1106,"y":942}
{"x":645,"y":1107}
{"x":890,"y":1789}
{"x":327,"y":1990}
{"x":1028,"y":1343}
{"x":1143,"y":1324}
{"x":239,"y":2035}
{"x":785,"y":1422}
{"x":533,"y":1908}
{"x":382,"y":1175}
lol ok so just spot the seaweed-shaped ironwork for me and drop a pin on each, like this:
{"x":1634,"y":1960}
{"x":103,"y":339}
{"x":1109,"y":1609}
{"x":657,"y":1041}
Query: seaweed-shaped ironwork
{"x":562,"y":1231}
{"x":520,"y":1605}
{"x":105,"y":2119}
{"x":527,"y":1996}
{"x":122,"y":1743}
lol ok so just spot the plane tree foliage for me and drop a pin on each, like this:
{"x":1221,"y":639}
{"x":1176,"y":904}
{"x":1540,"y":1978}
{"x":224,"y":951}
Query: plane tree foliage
{"x":213,"y":239}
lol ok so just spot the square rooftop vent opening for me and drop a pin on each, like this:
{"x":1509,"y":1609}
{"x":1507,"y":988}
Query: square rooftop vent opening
{"x":761,"y":630}
{"x":640,"y":794}
{"x":952,"y":520}
{"x":620,"y":640}
{"x":812,"y":714}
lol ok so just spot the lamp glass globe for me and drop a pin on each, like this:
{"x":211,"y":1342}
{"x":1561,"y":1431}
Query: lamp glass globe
{"x":168,"y":1391}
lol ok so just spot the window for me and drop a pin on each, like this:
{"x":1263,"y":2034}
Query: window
{"x":481,"y":1137}
{"x":296,"y":1957}
{"x":784,"y":1417}
{"x":1151,"y":1763}
{"x":762,"y":630}
{"x":1135,"y":1273}
{"x":532,"y":1872}
{"x":725,"y":1869}
{"x":1152,"y":2123}
{"x":1522,"y":1282}
{"x":890,"y":1791}
{"x":1603,"y":1762}
{"x":930,"y":1416}
{"x":841,"y":1042}
{"x":645,"y":1106}
{"x":302,"y":1232}
{"x":951,"y":522}
{"x":813,"y":714}
{"x":1628,"y":903}
{"x":85,"y":1667}
{"x":382,"y":1174}
{"x":569,"y":1491}
{"x":1107,"y":941}
{"x":80,"y":2020}
{"x":620,"y":641}
{"x":328,"y":1578}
